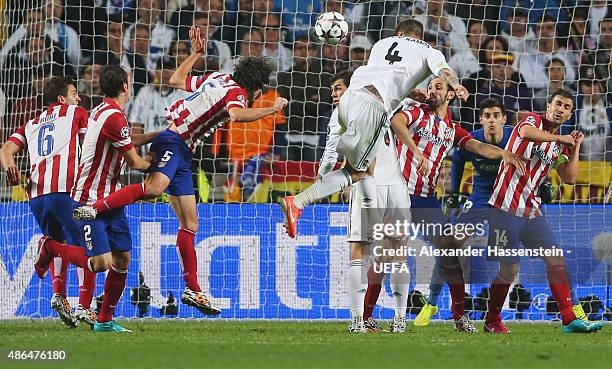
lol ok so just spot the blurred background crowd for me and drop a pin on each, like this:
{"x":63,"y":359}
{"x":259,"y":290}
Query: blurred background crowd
{"x":518,"y":51}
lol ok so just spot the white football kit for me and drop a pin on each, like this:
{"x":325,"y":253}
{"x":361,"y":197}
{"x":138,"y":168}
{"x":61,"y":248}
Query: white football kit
{"x":396,"y":65}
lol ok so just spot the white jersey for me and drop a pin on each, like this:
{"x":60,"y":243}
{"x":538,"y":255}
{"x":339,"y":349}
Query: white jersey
{"x":396,"y":66}
{"x":149,"y":106}
{"x":330,"y":155}
{"x":387,"y":171}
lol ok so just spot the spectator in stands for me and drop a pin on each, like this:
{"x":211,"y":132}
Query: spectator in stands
{"x":218,"y":53}
{"x":273,"y":47}
{"x":120,"y":9}
{"x":182,"y":20}
{"x":593,"y":117}
{"x":138,"y":57}
{"x":2,"y":113}
{"x":247,"y":17}
{"x":15,"y":45}
{"x":532,"y":65}
{"x":148,"y":111}
{"x":486,"y":11}
{"x":603,"y":55}
{"x":334,"y":58}
{"x":599,"y":10}
{"x":89,"y":87}
{"x":250,"y":146}
{"x":307,"y":90}
{"x":250,"y":45}
{"x":489,"y":46}
{"x":150,"y":14}
{"x":465,"y":62}
{"x":113,"y":52}
{"x":556,"y":81}
{"x":520,"y":36}
{"x":580,"y":39}
{"x":298,"y":16}
{"x":450,"y":29}
{"x":180,"y":51}
{"x":504,"y":86}
{"x":359,"y":51}
{"x":31,"y":102}
{"x":535,"y":9}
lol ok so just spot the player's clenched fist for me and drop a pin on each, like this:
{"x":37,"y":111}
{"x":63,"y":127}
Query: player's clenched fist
{"x":279,"y":104}
{"x":567,"y":140}
{"x":513,"y":159}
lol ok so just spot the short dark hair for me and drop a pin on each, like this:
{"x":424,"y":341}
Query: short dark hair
{"x":547,"y":17}
{"x":490,"y":104}
{"x":482,"y":54}
{"x":554,"y":60}
{"x":112,"y":78}
{"x":563,"y":93}
{"x":252,"y":73}
{"x":344,"y":75}
{"x":200,"y":14}
{"x":410,"y":27}
{"x":57,"y":86}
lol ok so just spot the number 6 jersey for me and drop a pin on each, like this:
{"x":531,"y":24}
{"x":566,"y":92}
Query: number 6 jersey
{"x":396,"y":66}
{"x":52,"y":139}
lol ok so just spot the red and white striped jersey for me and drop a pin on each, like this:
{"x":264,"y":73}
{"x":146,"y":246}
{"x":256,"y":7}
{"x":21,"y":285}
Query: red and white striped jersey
{"x":107,"y":137}
{"x":52,"y":140}
{"x":435,"y":138}
{"x":206,"y":109}
{"x":515,"y":193}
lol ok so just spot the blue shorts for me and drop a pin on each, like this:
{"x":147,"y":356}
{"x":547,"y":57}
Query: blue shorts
{"x":426,"y":210}
{"x":507,"y":231}
{"x":472,"y":214}
{"x":53,"y":213}
{"x":109,"y":231}
{"x":173,"y":158}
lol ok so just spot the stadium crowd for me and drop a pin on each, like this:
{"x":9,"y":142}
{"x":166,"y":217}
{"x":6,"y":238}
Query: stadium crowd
{"x":518,"y":51}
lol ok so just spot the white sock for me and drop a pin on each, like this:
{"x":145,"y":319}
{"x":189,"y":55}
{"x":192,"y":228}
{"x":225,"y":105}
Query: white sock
{"x":357,"y":287}
{"x":400,"y":282}
{"x":367,"y":190}
{"x":327,"y":185}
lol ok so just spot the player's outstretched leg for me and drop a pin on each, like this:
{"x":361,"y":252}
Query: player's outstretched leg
{"x":87,"y":285}
{"x":113,"y":289}
{"x":125,"y":196}
{"x":497,"y":296}
{"x":327,"y":185}
{"x":436,"y":284}
{"x":184,"y":208}
{"x":59,"y":303}
{"x":559,"y":286}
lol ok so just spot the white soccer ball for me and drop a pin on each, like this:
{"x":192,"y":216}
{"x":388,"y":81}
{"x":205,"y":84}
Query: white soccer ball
{"x":331,"y":27}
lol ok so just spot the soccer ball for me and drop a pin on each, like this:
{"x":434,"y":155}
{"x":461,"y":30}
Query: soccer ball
{"x":331,"y":27}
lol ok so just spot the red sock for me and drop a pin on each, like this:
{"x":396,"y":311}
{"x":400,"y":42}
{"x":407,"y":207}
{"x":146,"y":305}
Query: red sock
{"x":188,"y":258}
{"x":113,"y":289}
{"x":74,"y":255}
{"x":372,"y":293}
{"x":87,"y":285}
{"x":125,"y":196}
{"x":59,"y":278}
{"x":497,"y":296}
{"x":559,"y":285}
{"x":453,"y":274}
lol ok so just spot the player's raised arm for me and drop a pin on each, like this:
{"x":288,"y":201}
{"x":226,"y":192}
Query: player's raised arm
{"x":451,"y":78}
{"x":568,"y":167}
{"x":198,"y":46}
{"x":7,"y":157}
{"x":399,"y":125}
{"x":238,"y":114}
{"x":494,"y":152}
{"x":535,"y":134}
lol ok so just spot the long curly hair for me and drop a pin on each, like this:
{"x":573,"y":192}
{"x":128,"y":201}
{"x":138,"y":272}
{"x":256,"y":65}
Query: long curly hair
{"x":252,"y":73}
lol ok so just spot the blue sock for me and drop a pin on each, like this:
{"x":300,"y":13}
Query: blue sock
{"x":436,"y":284}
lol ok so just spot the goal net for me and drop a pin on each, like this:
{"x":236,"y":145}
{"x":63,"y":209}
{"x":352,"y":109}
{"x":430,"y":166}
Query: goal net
{"x":516,"y":51}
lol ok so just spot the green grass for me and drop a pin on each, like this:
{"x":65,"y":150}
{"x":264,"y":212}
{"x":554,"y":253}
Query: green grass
{"x":292,"y":345}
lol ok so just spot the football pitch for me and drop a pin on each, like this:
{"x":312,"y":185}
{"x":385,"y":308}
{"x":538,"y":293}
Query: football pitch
{"x":270,"y":344}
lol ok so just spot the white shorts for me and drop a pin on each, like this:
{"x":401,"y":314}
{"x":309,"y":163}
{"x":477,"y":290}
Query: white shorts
{"x":365,"y":120}
{"x":392,"y":200}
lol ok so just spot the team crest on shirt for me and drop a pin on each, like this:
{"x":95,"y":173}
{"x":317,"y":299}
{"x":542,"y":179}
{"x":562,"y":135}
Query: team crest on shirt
{"x":125,"y":132}
{"x":89,"y":245}
{"x":241,"y":99}
{"x":448,"y":133}
{"x":556,"y":150}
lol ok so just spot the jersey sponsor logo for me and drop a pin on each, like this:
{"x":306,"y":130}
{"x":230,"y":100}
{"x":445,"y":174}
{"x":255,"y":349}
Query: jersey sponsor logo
{"x":125,"y":132}
{"x":426,"y":135}
{"x":543,"y":157}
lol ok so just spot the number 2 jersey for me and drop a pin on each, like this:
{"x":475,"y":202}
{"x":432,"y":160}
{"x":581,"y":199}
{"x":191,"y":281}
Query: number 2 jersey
{"x":207,"y":108}
{"x":396,"y":66}
{"x":52,"y":140}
